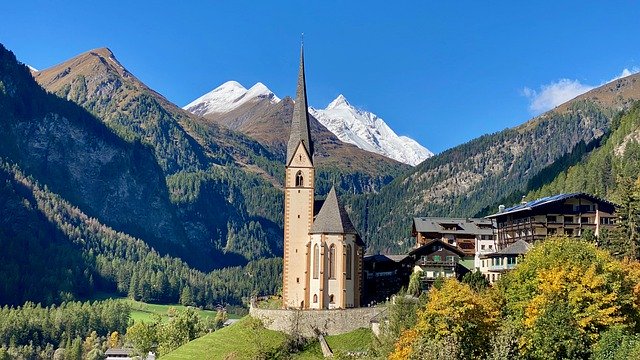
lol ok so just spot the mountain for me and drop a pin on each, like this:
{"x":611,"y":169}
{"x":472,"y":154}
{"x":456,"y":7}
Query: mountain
{"x":229,"y":96}
{"x":75,"y":155}
{"x":215,"y":179}
{"x":268,"y":121}
{"x":602,"y":171}
{"x":368,"y":132}
{"x":475,"y":177}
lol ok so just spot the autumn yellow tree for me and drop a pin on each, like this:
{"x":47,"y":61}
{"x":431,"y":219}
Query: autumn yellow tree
{"x":565,"y":294}
{"x":455,"y":318}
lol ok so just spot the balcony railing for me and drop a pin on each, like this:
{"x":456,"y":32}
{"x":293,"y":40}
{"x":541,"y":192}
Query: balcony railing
{"x":502,"y":267}
{"x":431,"y":263}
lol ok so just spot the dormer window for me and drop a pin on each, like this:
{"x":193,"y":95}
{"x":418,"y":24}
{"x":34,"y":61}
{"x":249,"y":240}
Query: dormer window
{"x":299,"y":179}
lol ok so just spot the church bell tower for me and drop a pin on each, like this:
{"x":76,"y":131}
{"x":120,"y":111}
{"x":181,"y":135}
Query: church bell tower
{"x":299,"y":190}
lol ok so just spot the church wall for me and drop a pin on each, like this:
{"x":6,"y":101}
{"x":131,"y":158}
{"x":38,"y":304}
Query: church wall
{"x":297,"y":223}
{"x":328,"y":322}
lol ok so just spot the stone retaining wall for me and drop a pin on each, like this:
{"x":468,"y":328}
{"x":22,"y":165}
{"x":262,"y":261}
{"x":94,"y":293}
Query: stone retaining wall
{"x":313,"y":322}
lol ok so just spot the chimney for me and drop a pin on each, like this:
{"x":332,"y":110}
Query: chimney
{"x":501,"y":208}
{"x":524,"y":200}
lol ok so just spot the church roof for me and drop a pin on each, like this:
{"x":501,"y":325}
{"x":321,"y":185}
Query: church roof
{"x":300,"y":121}
{"x":332,"y":217}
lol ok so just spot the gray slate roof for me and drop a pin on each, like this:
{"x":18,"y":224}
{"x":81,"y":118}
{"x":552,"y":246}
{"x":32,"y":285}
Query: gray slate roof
{"x":464,"y":225}
{"x":519,"y":247}
{"x":300,"y":121}
{"x":332,"y":217}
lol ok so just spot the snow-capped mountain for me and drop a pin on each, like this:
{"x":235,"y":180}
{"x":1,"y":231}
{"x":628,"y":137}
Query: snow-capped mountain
{"x":229,"y":96}
{"x":368,"y":132}
{"x":351,"y":125}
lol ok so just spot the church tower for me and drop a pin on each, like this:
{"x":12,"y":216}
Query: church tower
{"x":299,"y":189}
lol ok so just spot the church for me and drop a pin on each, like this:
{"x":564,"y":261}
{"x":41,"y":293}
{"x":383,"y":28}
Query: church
{"x":322,"y":265}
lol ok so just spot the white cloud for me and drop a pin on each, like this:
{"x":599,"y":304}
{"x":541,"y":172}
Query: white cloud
{"x":554,"y":94}
{"x":561,"y":91}
{"x":626,"y":72}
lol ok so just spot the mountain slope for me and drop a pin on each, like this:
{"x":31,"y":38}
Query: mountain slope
{"x":78,"y":157}
{"x":204,"y":164}
{"x":369,"y":132}
{"x":600,"y":171}
{"x":269,"y":122}
{"x":463,"y":180}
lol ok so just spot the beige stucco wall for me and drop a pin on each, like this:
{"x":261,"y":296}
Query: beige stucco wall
{"x":298,"y":217}
{"x":342,"y":289}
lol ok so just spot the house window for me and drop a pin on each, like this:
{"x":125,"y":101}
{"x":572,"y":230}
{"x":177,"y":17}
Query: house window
{"x":607,"y":221}
{"x":450,"y":259}
{"x":551,"y":219}
{"x":568,"y":219}
{"x":348,"y":262}
{"x":332,"y":262}
{"x":568,"y":232}
{"x":437,"y":258}
{"x":482,"y":247}
{"x":316,"y":262}
{"x":299,"y":179}
{"x":584,"y":220}
{"x":315,"y":298}
{"x":331,"y":299}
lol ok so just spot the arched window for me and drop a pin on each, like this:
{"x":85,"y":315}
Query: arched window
{"x":349,"y":256}
{"x":332,"y":262}
{"x":331,"y":299}
{"x":315,"y":298}
{"x":316,"y":262}
{"x":299,"y":179}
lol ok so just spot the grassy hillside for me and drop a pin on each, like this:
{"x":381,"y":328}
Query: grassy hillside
{"x":246,"y":340}
{"x":357,"y":341}
{"x":242,"y":340}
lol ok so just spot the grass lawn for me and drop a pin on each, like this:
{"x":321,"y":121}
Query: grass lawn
{"x":354,"y":341}
{"x":238,"y":341}
{"x":141,"y":311}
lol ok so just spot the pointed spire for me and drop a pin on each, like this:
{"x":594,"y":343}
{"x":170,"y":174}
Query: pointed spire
{"x":332,"y":217}
{"x":300,"y":122}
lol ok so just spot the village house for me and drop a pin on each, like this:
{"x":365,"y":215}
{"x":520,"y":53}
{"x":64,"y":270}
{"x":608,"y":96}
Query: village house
{"x":384,"y":276}
{"x":437,"y":258}
{"x":493,"y":265}
{"x":465,"y":233}
{"x":563,"y":214}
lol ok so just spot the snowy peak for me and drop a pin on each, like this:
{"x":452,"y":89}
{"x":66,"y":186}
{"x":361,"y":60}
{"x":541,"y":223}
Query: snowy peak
{"x":369,"y":132}
{"x":339,"y":102}
{"x":229,"y":96}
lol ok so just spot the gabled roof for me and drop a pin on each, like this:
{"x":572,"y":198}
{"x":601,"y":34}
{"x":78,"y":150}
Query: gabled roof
{"x":449,"y":247}
{"x":332,"y":217}
{"x":300,"y":122}
{"x":379,"y":258}
{"x":469,"y":226}
{"x":549,"y":200}
{"x":519,"y":247}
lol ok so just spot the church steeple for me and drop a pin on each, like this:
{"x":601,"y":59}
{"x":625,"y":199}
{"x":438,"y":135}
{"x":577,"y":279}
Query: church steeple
{"x":300,"y":122}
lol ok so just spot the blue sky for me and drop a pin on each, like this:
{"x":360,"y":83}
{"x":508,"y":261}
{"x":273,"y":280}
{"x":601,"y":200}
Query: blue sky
{"x":441,"y":72}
